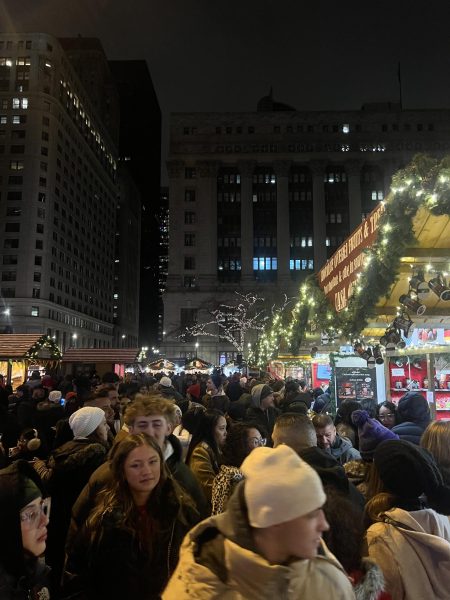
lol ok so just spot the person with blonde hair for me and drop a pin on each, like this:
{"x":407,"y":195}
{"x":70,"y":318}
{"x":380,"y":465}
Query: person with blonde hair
{"x":436,"y":439}
{"x":129,"y":545}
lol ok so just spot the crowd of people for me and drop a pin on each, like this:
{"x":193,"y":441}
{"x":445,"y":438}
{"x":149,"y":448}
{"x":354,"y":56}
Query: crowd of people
{"x":206,"y":486}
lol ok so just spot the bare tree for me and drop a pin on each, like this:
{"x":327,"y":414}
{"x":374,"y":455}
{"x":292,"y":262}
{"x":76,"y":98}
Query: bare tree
{"x":232,"y":322}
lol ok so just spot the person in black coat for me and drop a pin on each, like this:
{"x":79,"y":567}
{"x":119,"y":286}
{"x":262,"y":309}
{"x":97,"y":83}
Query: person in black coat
{"x":65,"y":474}
{"x":130,"y":544}
{"x":413,"y":414}
{"x":262,"y":410}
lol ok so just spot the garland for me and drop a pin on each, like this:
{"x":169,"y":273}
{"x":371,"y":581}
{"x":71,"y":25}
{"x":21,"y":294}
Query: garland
{"x":44,"y":342}
{"x":424,"y":183}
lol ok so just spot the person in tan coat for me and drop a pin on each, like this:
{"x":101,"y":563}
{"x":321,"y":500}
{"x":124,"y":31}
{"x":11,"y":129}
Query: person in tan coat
{"x":267,"y":544}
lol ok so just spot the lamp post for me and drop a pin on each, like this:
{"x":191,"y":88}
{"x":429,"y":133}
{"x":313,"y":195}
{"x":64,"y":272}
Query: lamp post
{"x":74,"y":340}
{"x":196,"y":349}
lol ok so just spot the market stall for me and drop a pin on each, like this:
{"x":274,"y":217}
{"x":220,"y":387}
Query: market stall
{"x":385,"y":294}
{"x":161,"y":365}
{"x":100,"y":360}
{"x":197,"y":365}
{"x":23,"y":353}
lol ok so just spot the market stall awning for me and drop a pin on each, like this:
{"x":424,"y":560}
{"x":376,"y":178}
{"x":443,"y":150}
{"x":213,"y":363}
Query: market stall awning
{"x":197,"y":364}
{"x":122,"y":356}
{"x":161,"y":365}
{"x":24,"y":345}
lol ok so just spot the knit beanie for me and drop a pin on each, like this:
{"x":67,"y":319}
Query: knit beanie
{"x":413,"y":407}
{"x":259,"y":392}
{"x":54,"y":396}
{"x":27,"y":492}
{"x":370,"y":432}
{"x":407,"y":470}
{"x":279,"y":486}
{"x":165,"y":382}
{"x":85,"y":421}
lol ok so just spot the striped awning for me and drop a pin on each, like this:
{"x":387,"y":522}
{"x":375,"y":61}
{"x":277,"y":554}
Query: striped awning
{"x":16,"y":345}
{"x":118,"y":356}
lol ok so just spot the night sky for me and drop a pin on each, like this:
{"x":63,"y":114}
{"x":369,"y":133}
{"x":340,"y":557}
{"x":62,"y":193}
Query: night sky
{"x":211,"y":55}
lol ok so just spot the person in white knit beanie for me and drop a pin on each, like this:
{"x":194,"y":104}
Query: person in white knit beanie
{"x":268,"y":542}
{"x":86,"y":420}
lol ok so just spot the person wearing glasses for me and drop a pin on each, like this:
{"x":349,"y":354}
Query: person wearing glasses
{"x":24,"y":516}
{"x":387,"y":414}
{"x":242,"y":438}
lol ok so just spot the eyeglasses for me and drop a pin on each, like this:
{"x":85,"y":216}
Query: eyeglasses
{"x":256,"y":442}
{"x":386,"y":416}
{"x":31,"y":517}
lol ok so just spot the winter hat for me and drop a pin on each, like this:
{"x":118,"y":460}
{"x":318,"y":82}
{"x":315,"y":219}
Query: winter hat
{"x":85,"y":421}
{"x":370,"y":432}
{"x":55,"y":396}
{"x":259,"y":392}
{"x":407,"y":470}
{"x":279,"y":486}
{"x":27,"y":492}
{"x":165,"y":382}
{"x":413,"y":407}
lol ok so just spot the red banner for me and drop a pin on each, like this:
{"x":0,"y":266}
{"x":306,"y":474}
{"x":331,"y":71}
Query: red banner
{"x":339,"y":273}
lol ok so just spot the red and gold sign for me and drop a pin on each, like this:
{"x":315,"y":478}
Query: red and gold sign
{"x":339,"y":273}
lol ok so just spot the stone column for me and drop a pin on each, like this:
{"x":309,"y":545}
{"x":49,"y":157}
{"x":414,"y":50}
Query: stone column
{"x":246,"y":169}
{"x":283,"y":230}
{"x":319,"y":226}
{"x":206,"y":209}
{"x":353,"y":169}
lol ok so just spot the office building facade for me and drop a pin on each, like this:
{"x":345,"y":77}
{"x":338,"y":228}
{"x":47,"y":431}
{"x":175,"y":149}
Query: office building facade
{"x":259,"y":200}
{"x":58,"y":186}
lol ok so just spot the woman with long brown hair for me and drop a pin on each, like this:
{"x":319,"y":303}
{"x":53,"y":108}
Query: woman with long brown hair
{"x":132,"y":536}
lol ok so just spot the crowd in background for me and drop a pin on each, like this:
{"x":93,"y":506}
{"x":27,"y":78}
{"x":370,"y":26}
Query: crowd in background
{"x":200,"y":486}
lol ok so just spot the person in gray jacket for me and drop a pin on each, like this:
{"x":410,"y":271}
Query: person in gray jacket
{"x":328,"y":439}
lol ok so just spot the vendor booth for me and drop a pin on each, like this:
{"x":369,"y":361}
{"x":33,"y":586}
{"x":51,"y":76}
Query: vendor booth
{"x":86,"y":361}
{"x":385,"y":295}
{"x":197,"y":365}
{"x":23,"y":353}
{"x":161,"y":365}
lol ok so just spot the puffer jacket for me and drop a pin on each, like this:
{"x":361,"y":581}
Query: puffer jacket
{"x":409,"y":431}
{"x":219,"y":561}
{"x":413,"y":551}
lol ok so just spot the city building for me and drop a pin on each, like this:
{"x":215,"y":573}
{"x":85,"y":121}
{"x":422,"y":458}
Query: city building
{"x":58,"y":190}
{"x":259,"y":200}
{"x":163,"y":260}
{"x":140,"y":149}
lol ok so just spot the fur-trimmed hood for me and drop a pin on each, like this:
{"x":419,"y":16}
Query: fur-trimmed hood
{"x":371,"y":583}
{"x":77,"y":453}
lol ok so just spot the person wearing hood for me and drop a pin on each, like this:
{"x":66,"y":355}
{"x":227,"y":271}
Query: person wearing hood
{"x":413,"y":414}
{"x":436,"y":440}
{"x":410,"y":536}
{"x":262,"y":410}
{"x":24,"y":516}
{"x":67,"y":471}
{"x":328,"y":439}
{"x":268,"y":542}
{"x":215,"y":397}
